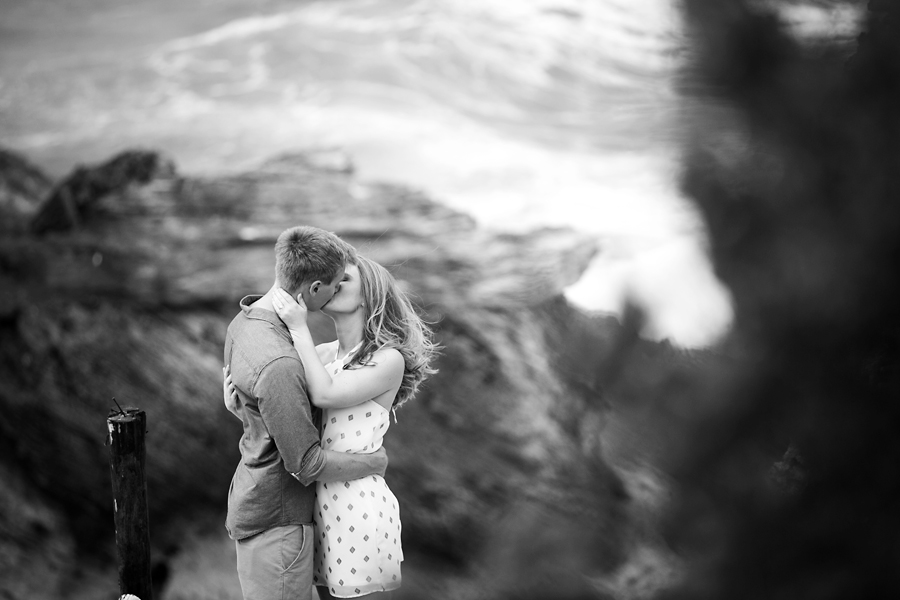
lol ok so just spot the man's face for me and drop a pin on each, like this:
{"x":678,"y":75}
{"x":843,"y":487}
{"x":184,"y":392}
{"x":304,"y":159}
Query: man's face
{"x":316,"y":295}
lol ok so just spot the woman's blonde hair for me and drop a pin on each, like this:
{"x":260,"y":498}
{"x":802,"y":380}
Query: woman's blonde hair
{"x":391,"y":321}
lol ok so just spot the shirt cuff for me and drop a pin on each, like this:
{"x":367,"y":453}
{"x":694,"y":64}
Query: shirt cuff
{"x":311,"y":466}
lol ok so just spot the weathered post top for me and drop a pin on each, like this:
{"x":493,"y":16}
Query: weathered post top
{"x":125,"y":428}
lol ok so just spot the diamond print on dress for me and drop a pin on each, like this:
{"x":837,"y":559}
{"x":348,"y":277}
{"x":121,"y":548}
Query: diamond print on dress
{"x":333,"y":419}
{"x":345,"y":522}
{"x":350,"y":418}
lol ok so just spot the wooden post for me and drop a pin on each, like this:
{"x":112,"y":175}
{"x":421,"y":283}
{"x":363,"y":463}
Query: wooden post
{"x":129,"y":487}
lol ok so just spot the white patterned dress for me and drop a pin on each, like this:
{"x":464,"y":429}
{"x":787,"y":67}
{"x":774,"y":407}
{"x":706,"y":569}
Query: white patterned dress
{"x":357,"y":522}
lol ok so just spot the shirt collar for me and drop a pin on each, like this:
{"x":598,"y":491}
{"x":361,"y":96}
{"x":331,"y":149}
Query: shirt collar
{"x":260,"y":313}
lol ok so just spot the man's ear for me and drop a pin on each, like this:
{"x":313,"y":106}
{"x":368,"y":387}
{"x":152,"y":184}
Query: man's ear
{"x":314,"y":288}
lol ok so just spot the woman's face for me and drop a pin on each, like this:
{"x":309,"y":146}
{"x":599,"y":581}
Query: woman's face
{"x":348,"y":297}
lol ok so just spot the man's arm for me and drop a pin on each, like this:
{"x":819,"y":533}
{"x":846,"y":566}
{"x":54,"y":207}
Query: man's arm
{"x":328,"y":465}
{"x":280,"y":391}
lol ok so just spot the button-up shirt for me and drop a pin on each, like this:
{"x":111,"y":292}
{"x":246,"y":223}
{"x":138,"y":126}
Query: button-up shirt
{"x":280,"y":452}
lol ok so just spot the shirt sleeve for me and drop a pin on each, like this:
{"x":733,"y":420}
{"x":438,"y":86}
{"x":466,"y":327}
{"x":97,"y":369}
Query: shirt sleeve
{"x":286,"y":412}
{"x":312,"y":467}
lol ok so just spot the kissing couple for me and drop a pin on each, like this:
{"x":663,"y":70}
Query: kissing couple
{"x":308,"y":504}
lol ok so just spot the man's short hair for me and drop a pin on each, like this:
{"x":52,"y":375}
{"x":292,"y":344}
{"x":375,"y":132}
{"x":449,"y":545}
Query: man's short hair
{"x":305,"y":254}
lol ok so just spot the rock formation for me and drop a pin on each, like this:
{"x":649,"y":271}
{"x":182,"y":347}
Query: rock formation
{"x":22,"y":187}
{"x":121,"y":285}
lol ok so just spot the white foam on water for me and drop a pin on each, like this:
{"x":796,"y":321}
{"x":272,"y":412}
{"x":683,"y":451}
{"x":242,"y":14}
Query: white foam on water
{"x":458,"y":68}
{"x":241,"y":28}
{"x":809,"y":21}
{"x":523,"y":113}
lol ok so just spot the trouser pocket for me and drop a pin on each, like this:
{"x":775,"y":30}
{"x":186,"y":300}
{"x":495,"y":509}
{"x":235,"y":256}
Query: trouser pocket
{"x":276,"y":564}
{"x":293,"y":547}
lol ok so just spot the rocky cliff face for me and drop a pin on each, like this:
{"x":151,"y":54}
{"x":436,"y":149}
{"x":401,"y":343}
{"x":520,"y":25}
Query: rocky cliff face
{"x":119,"y":282}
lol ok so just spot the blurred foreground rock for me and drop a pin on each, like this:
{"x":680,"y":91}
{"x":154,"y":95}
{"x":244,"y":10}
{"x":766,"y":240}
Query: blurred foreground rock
{"x":793,"y":161}
{"x":121,"y":285}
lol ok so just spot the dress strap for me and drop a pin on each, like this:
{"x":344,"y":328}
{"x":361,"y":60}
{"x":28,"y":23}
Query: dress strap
{"x":350,"y":353}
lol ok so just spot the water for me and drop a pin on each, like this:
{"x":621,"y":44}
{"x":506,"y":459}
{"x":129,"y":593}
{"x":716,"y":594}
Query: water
{"x":524,"y":114}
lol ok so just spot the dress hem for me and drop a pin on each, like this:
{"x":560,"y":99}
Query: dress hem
{"x":369,"y":588}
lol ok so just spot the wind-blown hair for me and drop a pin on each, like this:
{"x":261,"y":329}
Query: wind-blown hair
{"x":304,"y":254}
{"x":391,"y":321}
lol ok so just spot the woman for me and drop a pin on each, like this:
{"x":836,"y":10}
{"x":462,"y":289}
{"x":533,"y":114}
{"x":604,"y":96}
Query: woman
{"x":382,"y":353}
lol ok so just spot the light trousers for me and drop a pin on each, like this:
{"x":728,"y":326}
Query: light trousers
{"x":277,"y":564}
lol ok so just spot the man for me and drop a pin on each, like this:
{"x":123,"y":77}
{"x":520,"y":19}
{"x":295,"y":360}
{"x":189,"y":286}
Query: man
{"x":270,"y":502}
